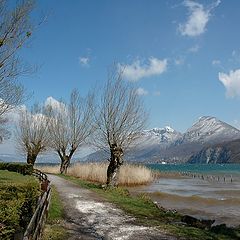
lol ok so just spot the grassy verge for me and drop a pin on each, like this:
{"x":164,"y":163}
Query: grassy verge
{"x":13,"y":177}
{"x":146,"y":213}
{"x":54,"y":229}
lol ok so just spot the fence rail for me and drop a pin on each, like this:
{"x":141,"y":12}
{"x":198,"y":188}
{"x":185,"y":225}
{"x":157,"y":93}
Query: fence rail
{"x":35,"y":227}
{"x":40,"y":175}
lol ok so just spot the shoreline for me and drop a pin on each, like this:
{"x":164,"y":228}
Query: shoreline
{"x":201,"y":198}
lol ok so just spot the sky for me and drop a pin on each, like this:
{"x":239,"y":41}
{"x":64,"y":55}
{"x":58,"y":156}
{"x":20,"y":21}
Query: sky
{"x":182,"y":56}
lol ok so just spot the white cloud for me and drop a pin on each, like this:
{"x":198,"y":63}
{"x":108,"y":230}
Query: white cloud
{"x":84,"y":61}
{"x":235,"y":57}
{"x":179,"y":61}
{"x":142,"y":92}
{"x":138,"y":70}
{"x":13,"y":115}
{"x":216,"y":62}
{"x":197,"y":19}
{"x":231,"y":82}
{"x":194,"y":49}
{"x":55,"y":104}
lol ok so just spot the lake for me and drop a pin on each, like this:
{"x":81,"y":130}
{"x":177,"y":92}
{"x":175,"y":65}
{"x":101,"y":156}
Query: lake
{"x":204,"y":191}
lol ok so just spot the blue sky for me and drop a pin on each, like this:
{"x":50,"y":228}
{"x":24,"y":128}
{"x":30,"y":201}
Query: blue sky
{"x":183,"y":56}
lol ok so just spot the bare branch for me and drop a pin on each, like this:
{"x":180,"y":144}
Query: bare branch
{"x":121,"y":115}
{"x":32,"y":132}
{"x":15,"y":30}
{"x":70,"y":126}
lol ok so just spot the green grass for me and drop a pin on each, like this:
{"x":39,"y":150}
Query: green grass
{"x":146,"y":213}
{"x":55,"y":213}
{"x":13,"y":177}
{"x":54,"y":229}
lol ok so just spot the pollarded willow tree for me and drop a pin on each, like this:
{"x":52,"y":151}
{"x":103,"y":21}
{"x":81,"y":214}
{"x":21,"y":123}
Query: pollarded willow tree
{"x":119,"y":120}
{"x":32,"y":132}
{"x":70,"y":126}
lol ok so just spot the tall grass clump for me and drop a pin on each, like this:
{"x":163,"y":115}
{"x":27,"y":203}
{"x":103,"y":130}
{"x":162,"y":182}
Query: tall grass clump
{"x":94,"y":172}
{"x":49,"y":168}
{"x":135,"y":175}
{"x":130,"y":174}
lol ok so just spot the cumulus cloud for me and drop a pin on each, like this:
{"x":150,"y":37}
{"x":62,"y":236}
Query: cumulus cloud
{"x":13,"y":114}
{"x":198,"y":18}
{"x":142,"y":92}
{"x":84,"y":61}
{"x":55,"y":104}
{"x":138,"y":70}
{"x":231,"y":82}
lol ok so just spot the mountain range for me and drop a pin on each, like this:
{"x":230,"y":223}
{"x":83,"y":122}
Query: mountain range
{"x":209,"y":140}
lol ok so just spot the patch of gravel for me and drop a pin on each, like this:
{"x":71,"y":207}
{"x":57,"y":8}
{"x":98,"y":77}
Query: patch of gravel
{"x":88,"y":216}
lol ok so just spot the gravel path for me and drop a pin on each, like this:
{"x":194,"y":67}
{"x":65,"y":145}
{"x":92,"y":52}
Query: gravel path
{"x":89,"y":217}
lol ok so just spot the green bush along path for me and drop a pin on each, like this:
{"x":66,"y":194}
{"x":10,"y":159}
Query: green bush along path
{"x":18,"y":198}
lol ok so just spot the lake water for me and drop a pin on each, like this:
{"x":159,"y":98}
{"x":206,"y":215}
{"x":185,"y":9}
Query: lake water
{"x":204,"y":191}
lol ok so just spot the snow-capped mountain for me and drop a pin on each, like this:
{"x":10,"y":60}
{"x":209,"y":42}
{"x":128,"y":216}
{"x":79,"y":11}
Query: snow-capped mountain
{"x":168,"y":145}
{"x":165,"y":136}
{"x":209,"y":130}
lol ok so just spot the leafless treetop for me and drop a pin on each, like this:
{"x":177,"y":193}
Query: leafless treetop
{"x":15,"y":29}
{"x":120,"y":116}
{"x":32,"y":130}
{"x":71,"y":124}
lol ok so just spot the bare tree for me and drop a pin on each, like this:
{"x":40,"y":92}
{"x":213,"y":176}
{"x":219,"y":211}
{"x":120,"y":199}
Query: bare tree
{"x":70,"y":126}
{"x":32,"y":132}
{"x":4,"y":132}
{"x":119,"y":120}
{"x":15,"y":29}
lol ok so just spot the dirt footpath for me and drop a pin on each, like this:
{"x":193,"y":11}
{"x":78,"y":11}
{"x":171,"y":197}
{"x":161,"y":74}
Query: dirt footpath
{"x":89,"y":217}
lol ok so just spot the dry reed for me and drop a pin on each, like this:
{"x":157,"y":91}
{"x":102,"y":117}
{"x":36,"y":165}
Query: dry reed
{"x":130,"y":175}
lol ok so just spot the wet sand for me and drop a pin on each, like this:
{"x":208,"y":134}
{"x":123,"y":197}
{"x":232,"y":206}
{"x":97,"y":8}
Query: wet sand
{"x":206,"y":199}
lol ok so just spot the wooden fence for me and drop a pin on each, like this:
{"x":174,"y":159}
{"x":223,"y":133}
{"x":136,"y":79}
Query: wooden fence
{"x":226,"y":178}
{"x":36,"y":225}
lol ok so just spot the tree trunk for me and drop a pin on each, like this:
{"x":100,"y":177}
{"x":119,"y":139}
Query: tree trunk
{"x":65,"y":162}
{"x":114,"y":167}
{"x":31,"y":158}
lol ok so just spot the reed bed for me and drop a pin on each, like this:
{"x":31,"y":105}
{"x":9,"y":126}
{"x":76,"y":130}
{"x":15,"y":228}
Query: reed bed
{"x":49,"y":168}
{"x":130,"y":175}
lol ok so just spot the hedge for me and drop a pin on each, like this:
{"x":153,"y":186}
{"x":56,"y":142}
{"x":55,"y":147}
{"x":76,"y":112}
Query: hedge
{"x":25,"y":169}
{"x":17,"y":204}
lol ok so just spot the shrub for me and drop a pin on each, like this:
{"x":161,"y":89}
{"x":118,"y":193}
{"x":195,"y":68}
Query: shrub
{"x":25,"y":169}
{"x":17,"y":204}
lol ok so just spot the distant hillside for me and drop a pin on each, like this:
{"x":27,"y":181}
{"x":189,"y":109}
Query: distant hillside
{"x":227,"y":152}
